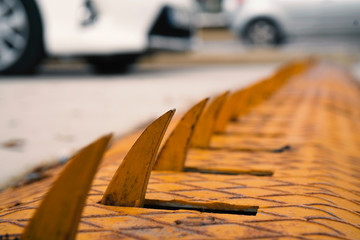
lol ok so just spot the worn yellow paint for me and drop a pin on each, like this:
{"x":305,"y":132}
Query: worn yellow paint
{"x":128,"y":185}
{"x":173,"y":153}
{"x":59,"y":214}
{"x":205,"y":127}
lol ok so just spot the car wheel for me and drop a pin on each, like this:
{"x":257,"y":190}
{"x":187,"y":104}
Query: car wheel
{"x":21,"y":45}
{"x":262,"y":33}
{"x":113,"y":64}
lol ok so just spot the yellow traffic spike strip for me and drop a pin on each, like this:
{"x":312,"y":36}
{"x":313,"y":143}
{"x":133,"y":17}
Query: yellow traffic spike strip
{"x":59,"y":213}
{"x":206,"y":124}
{"x":240,"y":104}
{"x":128,"y":185}
{"x":242,"y":101}
{"x":173,"y":153}
{"x":314,"y":192}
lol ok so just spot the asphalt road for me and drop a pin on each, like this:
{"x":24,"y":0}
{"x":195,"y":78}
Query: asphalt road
{"x":47,"y":117}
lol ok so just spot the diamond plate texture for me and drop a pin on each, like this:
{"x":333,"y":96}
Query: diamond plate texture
{"x":307,"y":134}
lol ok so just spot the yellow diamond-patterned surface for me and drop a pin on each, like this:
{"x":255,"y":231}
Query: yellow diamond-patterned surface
{"x":307,"y":134}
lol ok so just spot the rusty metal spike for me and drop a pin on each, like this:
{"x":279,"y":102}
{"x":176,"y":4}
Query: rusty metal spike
{"x":59,"y":213}
{"x":173,"y":153}
{"x":273,"y":84}
{"x":247,"y":100}
{"x":256,"y":94}
{"x":228,"y":111}
{"x":264,"y":90}
{"x":206,"y":124}
{"x":128,"y":185}
{"x":243,"y":106}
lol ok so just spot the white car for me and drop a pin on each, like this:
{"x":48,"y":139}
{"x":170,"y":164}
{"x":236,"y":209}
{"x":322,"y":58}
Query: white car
{"x":269,"y":22}
{"x":111,"y":34}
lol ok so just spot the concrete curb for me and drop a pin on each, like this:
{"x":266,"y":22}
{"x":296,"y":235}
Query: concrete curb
{"x":251,"y":56}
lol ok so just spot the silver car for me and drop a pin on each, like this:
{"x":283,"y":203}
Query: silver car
{"x":270,"y":22}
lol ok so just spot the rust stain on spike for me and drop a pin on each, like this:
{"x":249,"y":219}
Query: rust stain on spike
{"x":128,"y":185}
{"x":206,"y":124}
{"x":172,"y":155}
{"x":59,"y":214}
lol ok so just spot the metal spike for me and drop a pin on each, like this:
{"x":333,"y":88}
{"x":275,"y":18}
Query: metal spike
{"x":128,"y":185}
{"x":228,"y":111}
{"x":59,"y":214}
{"x":255,"y":94}
{"x":206,"y":124}
{"x":243,"y":106}
{"x":173,"y":153}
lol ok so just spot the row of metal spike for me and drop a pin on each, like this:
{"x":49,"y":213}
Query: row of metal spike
{"x":59,"y":213}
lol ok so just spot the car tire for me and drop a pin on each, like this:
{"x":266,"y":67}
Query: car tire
{"x":262,"y":32}
{"x":21,"y":37}
{"x":113,"y":64}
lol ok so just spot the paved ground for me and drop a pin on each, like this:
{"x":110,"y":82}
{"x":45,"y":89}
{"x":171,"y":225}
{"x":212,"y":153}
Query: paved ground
{"x":49,"y":116}
{"x":46,"y":117}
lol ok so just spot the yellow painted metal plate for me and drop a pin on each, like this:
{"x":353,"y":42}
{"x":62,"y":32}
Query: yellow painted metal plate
{"x":314,"y":192}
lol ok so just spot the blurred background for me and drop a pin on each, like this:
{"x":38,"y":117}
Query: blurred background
{"x":72,"y":70}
